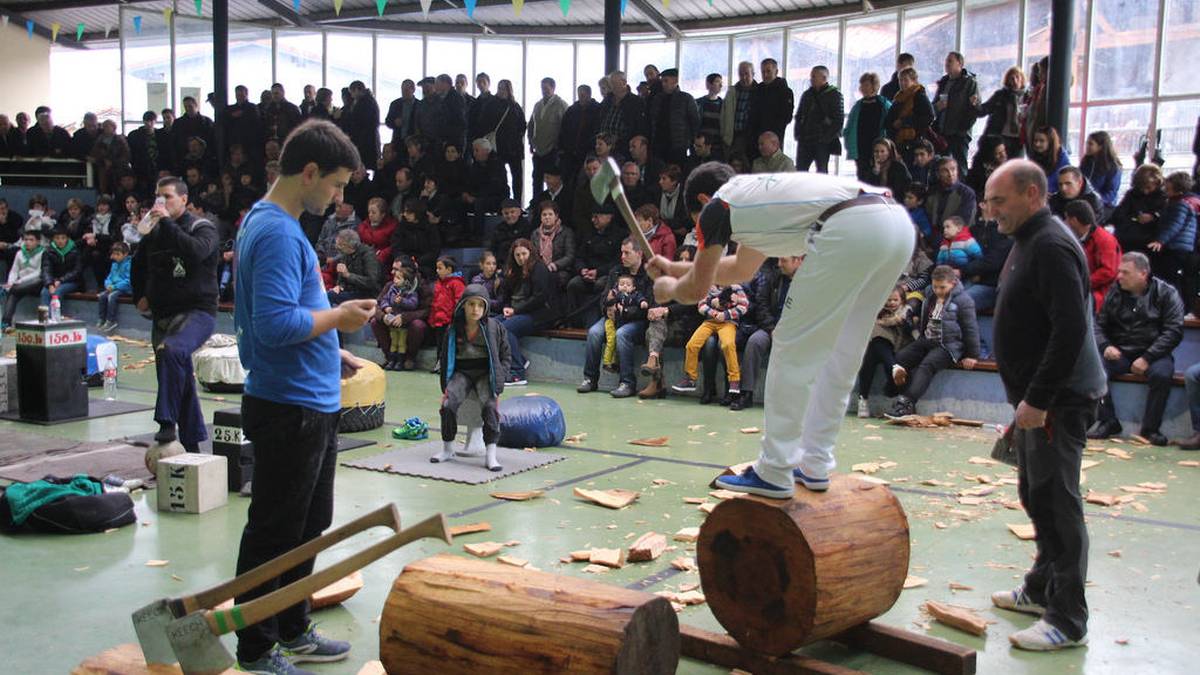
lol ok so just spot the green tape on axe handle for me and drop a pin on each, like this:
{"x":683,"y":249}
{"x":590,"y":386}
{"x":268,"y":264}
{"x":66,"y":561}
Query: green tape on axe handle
{"x":239,"y":621}
{"x":221,"y":625}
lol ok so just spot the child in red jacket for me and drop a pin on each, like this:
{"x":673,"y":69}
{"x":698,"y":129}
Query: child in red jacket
{"x":446,"y":292}
{"x":376,"y":231}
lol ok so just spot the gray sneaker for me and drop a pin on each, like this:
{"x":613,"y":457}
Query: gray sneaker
{"x":271,"y":663}
{"x":314,"y":647}
{"x":623,"y":390}
{"x":1018,"y":601}
{"x":588,"y":385}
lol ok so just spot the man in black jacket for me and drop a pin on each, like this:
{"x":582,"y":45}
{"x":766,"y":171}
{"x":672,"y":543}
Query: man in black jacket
{"x":191,"y":124}
{"x":596,"y":253}
{"x":1052,"y":375}
{"x":242,"y":124}
{"x":364,"y":123}
{"x":623,"y":113}
{"x":819,"y":119}
{"x":1073,"y":186}
{"x":674,"y":120}
{"x":772,"y":103}
{"x":1139,"y":325}
{"x":767,"y":306}
{"x":46,"y":139}
{"x":957,"y":97}
{"x":174,"y":278}
{"x":149,"y":149}
{"x":578,"y":133}
{"x":892,"y":88}
{"x":402,"y":115}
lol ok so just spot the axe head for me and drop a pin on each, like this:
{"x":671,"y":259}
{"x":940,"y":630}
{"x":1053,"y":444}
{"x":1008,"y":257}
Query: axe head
{"x":150,"y":623}
{"x":606,"y":180}
{"x":199,"y":651}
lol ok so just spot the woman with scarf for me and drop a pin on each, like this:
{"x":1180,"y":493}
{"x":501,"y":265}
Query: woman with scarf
{"x":554,"y":244}
{"x":529,"y":302}
{"x":911,"y":114}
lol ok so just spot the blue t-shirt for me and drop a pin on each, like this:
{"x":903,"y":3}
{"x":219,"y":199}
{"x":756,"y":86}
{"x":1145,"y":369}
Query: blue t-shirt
{"x":278,"y":287}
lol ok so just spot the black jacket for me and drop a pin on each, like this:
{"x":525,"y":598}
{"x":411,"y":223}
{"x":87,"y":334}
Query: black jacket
{"x":62,"y":267}
{"x":82,"y":141}
{"x":243,"y":127}
{"x":1148,"y":325}
{"x":488,"y":183}
{"x":501,"y":238}
{"x":891,"y":88}
{"x":187,"y":127}
{"x":600,"y":251}
{"x":632,"y":120}
{"x":1134,"y":235}
{"x":419,"y":240}
{"x":1058,"y":202}
{"x":362,"y":272}
{"x":577,"y":136}
{"x":12,"y":144}
{"x":148,"y":158}
{"x":674,"y":120}
{"x":364,"y":129}
{"x":769,"y":294}
{"x":510,"y":137}
{"x":541,"y":300}
{"x":771,"y":108}
{"x":960,"y":329}
{"x":495,"y":336}
{"x":960,"y":113}
{"x":1042,"y":324}
{"x":820,"y":115}
{"x":986,"y":270}
{"x":39,"y":144}
{"x":408,"y":123}
{"x":175,"y":266}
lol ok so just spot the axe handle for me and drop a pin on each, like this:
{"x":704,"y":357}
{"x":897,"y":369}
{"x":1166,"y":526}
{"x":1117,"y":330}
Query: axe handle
{"x":387,"y":515}
{"x":618,"y":195}
{"x":240,"y":616}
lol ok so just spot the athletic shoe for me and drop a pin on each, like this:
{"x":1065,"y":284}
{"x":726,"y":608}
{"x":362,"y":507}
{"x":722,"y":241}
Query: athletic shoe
{"x":1018,"y":601}
{"x":413,"y":430}
{"x":902,"y":408}
{"x":749,"y":482}
{"x":272,"y":663}
{"x":814,"y":484}
{"x":1042,"y":637}
{"x":588,"y":385}
{"x":313,"y":647}
{"x":165,"y":434}
{"x":623,"y":390}
{"x":864,"y":409}
{"x":685,"y":385}
{"x":516,"y":381}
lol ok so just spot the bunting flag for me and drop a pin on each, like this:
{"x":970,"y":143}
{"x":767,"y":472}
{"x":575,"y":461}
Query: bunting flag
{"x":4,"y":20}
{"x":78,"y":32}
{"x":54,"y":28}
{"x":337,"y":7}
{"x":470,"y":5}
{"x":566,"y":6}
{"x":518,"y":5}
{"x":380,"y":5}
{"x":623,"y":7}
{"x":167,"y":15}
{"x":107,"y":30}
{"x":29,"y":27}
{"x":137,"y":25}
{"x":199,"y":7}
{"x":425,"y":5}
{"x":666,"y":4}
{"x":295,"y":5}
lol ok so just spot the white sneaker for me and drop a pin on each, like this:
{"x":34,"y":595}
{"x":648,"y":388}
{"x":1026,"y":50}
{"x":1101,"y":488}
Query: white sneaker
{"x":864,"y":408}
{"x":1017,"y":601}
{"x":1042,"y":637}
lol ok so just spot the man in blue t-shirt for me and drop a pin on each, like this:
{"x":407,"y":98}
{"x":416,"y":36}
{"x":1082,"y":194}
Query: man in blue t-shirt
{"x":289,"y":348}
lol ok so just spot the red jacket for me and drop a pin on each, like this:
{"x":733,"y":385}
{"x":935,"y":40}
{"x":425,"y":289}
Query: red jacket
{"x":446,"y":293}
{"x":1103,"y":257}
{"x":662,"y":241}
{"x":379,"y":238}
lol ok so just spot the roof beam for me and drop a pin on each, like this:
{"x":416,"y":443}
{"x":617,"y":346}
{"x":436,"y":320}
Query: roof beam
{"x":287,"y":13}
{"x":394,"y":9}
{"x":583,"y":30}
{"x":66,"y":37}
{"x":656,"y":18}
{"x":63,"y":4}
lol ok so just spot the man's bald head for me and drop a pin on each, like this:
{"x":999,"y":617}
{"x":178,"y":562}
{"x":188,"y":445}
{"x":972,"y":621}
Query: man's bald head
{"x":1015,"y":191}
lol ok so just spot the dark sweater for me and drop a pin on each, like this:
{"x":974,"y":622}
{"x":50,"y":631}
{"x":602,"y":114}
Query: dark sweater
{"x":175,"y":266}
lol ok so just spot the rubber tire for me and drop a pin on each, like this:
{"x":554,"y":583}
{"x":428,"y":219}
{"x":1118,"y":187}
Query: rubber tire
{"x":360,"y":419}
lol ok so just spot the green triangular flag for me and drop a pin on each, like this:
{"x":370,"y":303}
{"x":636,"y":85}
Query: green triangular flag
{"x":78,"y":32}
{"x":566,"y":6}
{"x":199,"y":7}
{"x":380,"y":4}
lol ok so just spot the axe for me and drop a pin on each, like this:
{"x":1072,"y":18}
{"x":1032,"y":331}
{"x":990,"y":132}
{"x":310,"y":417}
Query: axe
{"x":150,"y":622}
{"x":607,"y":183}
{"x":196,"y":638}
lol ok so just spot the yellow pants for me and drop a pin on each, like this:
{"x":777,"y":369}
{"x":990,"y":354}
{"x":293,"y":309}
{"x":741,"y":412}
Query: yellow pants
{"x":399,"y":337}
{"x":610,"y":343}
{"x":727,"y":334}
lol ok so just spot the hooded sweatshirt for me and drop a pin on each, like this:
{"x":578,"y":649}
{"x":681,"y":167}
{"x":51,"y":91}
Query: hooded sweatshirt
{"x":495,"y":340}
{"x":446,"y":294}
{"x":118,"y":277}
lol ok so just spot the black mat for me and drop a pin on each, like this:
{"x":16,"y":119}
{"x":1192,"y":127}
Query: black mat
{"x":344,"y":442}
{"x":97,"y":407}
{"x":413,"y":460}
{"x":29,"y":457}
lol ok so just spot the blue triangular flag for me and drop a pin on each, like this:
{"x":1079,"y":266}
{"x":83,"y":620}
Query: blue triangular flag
{"x":470,"y":4}
{"x":137,"y":25}
{"x":623,"y":7}
{"x":29,"y":27}
{"x":296,"y":5}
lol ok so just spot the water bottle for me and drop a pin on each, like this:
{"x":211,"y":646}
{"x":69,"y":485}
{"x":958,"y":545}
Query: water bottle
{"x":55,"y":309}
{"x":110,"y":379}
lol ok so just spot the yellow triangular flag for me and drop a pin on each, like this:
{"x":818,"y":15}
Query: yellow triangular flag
{"x":167,"y":15}
{"x":666,"y":4}
{"x":518,"y":5}
{"x":54,"y":28}
{"x":337,"y":7}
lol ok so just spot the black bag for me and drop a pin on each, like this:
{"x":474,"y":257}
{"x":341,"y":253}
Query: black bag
{"x":80,"y":514}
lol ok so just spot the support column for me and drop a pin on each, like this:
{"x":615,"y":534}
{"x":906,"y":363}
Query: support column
{"x":220,"y":23}
{"x":1062,"y":50}
{"x":612,"y":35}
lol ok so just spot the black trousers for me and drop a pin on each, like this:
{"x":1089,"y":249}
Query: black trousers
{"x":1048,"y":483}
{"x":1177,"y":268}
{"x":957,"y":146}
{"x":458,"y":388}
{"x":810,"y":152}
{"x":295,"y":454}
{"x":1160,"y":373}
{"x":540,"y":164}
{"x":922,"y":359}
{"x":879,"y":353}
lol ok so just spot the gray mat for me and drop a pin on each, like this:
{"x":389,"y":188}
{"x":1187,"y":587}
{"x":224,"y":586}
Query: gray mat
{"x":413,"y":460}
{"x":97,"y":407}
{"x":63,"y":457}
{"x":344,"y":442}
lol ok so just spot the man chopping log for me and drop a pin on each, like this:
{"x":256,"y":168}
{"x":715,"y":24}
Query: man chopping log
{"x":1052,"y":374}
{"x":856,"y":240}
{"x":289,"y":348}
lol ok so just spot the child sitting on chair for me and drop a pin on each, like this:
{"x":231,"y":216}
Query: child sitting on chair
{"x":474,"y":356}
{"x":399,"y":295}
{"x":722,"y":310}
{"x":624,"y":304}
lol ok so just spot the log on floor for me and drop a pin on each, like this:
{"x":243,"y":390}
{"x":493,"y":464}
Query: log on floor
{"x":125,"y":659}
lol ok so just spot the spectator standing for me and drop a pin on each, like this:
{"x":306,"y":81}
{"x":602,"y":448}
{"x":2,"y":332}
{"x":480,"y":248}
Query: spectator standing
{"x":957,"y":98}
{"x":579,"y":126}
{"x":622,"y":114}
{"x":510,"y":138}
{"x":709,"y":106}
{"x":364,"y":123}
{"x":451,"y":113}
{"x":737,"y":130}
{"x":402,"y":114}
{"x":242,"y":124}
{"x":773,"y":103}
{"x":1101,"y":166}
{"x":887,"y":168}
{"x":191,"y":124}
{"x":1101,"y":249}
{"x":530,"y":301}
{"x":771,"y":158}
{"x":948,"y":197}
{"x":819,"y":118}
{"x":279,"y":115}
{"x":1135,"y":220}
{"x":893,"y":87}
{"x":865,"y":124}
{"x":47,"y":139}
{"x":12,"y":139}
{"x":1046,"y":150}
{"x":911,"y":114}
{"x":545,"y":127}
{"x":447,"y":290}
{"x":110,"y":155}
{"x":1003,"y":111}
{"x":483,"y":117}
{"x":674,"y":120}
{"x":85,"y":137}
{"x":460,"y":85}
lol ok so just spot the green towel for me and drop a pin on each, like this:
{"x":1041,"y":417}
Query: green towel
{"x":25,"y":498}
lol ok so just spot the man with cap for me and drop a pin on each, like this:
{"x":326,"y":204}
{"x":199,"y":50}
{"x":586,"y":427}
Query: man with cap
{"x":674,"y":120}
{"x":555,"y":192}
{"x":513,"y":225}
{"x":596,"y":253}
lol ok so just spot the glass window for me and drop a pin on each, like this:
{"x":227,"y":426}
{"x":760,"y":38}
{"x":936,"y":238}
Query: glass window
{"x":929,"y":33}
{"x":870,"y":47}
{"x":554,"y":60}
{"x":398,"y":59}
{"x":1037,"y":40}
{"x":1123,"y":48}
{"x":660,"y":53}
{"x":817,"y":46}
{"x":501,"y":60}
{"x":193,"y":61}
{"x":698,"y":59}
{"x":1182,"y":23}
{"x":147,"y":66}
{"x":1177,"y":122}
{"x":347,"y":58}
{"x":589,"y":65}
{"x":756,"y":47}
{"x":297,"y":63}
{"x":1125,"y":122}
{"x":452,"y":56}
{"x":990,"y":38}
{"x":249,"y":59}
{"x":83,"y":80}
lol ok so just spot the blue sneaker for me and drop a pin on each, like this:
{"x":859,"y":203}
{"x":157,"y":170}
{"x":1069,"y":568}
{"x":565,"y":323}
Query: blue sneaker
{"x":271,"y":663}
{"x":749,"y":482}
{"x":314,"y":647}
{"x":814,"y":484}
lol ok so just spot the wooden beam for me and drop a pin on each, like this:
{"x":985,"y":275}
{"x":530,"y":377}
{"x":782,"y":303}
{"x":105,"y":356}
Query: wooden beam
{"x":922,"y":651}
{"x":721,"y":650}
{"x":656,"y":18}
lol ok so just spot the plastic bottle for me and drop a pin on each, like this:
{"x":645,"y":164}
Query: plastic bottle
{"x":55,"y":309}
{"x":110,"y":379}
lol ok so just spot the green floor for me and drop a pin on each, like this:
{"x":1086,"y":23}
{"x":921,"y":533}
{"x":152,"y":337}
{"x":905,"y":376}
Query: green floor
{"x":65,"y":597}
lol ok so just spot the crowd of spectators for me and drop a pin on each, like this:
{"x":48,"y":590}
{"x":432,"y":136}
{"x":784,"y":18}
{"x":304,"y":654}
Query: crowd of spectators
{"x":450,"y":179}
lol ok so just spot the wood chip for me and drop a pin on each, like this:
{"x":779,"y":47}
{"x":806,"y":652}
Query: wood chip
{"x":750,"y":430}
{"x":684,"y":588}
{"x":647,"y":547}
{"x":1115,"y":554}
{"x":581,"y":556}
{"x":485,"y":549}
{"x":576,"y":438}
{"x":1189,"y":462}
{"x":695,"y":427}
{"x":1122,"y":641}
{"x":936,"y":483}
{"x":690,"y":598}
{"x":957,"y":617}
{"x":872,"y":438}
{"x":707,"y":507}
{"x":512,"y":560}
{"x":687,"y":534}
{"x":1118,"y":453}
{"x":955,"y":586}
{"x":615,"y":498}
{"x":971,"y":501}
{"x":656,"y":442}
{"x":157,"y":563}
{"x":725,"y":494}
{"x":519,"y":496}
{"x":685,"y":564}
{"x":986,"y":461}
{"x":372,"y":668}
{"x":871,"y":479}
{"x":176,"y":577}
{"x":470,"y":528}
{"x":1088,"y":464}
{"x":911,"y":581}
{"x":660,"y":482}
{"x":694,"y":500}
{"x":866,"y":467}
{"x":1100,"y":499}
{"x":609,"y":557}
{"x":1024,"y":531}
{"x":940,"y":525}
{"x":595,"y":569}
{"x":1139,"y":507}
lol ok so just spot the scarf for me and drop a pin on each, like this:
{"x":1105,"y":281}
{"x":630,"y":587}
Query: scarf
{"x":64,"y":251}
{"x":27,"y":255}
{"x":100,"y":223}
{"x":905,"y":101}
{"x":546,"y":243}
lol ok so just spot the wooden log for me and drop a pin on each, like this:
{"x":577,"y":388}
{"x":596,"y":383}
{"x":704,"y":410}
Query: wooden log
{"x":723,"y":650}
{"x":779,"y":574}
{"x":125,"y":659}
{"x":915,"y":649}
{"x":450,"y":614}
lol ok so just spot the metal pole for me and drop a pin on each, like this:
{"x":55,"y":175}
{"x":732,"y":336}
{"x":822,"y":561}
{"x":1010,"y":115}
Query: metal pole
{"x":612,"y":35}
{"x":1062,"y":37}
{"x":220,"y":24}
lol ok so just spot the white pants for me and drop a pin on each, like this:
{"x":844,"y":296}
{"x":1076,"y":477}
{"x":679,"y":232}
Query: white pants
{"x":851,"y":267}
